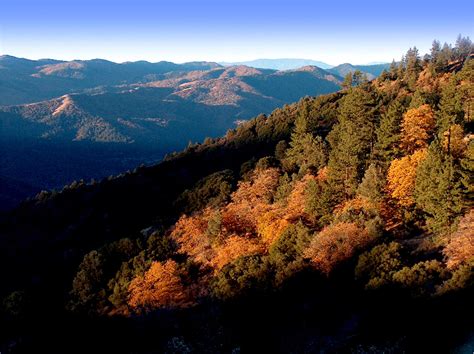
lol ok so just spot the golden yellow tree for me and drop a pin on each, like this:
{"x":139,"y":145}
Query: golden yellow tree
{"x":417,"y":126}
{"x":402,"y":176}
{"x":270,"y":225}
{"x":159,"y":287}
{"x":335,"y":244}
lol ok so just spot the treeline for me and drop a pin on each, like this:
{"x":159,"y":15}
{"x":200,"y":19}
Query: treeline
{"x":363,"y":196}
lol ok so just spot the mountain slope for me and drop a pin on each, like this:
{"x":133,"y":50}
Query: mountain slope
{"x":301,"y":226}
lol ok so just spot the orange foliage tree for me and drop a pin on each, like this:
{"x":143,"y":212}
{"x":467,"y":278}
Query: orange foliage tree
{"x":402,"y":175}
{"x":417,"y":126}
{"x":335,"y":244}
{"x":460,"y":247}
{"x":189,"y":233}
{"x":250,"y":200}
{"x":159,"y":287}
{"x":233,"y":248}
{"x":298,"y":198}
{"x":270,"y":225}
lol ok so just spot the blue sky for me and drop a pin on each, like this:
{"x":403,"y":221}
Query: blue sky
{"x":228,"y":30}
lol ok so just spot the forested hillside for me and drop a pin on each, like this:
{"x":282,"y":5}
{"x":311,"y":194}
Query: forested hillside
{"x":341,"y":223}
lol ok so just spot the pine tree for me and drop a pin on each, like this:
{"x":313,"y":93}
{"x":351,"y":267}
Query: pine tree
{"x":417,"y":100}
{"x":413,"y":67}
{"x":347,"y":83}
{"x":463,"y":47}
{"x":388,"y":133}
{"x":435,"y":50}
{"x":450,"y":108}
{"x":438,"y":189}
{"x":393,"y":70}
{"x":352,"y":141}
{"x":372,"y":184}
{"x":306,"y":151}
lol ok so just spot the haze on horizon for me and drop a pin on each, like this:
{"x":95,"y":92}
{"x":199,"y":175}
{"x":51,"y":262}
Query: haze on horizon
{"x":227,"y":31}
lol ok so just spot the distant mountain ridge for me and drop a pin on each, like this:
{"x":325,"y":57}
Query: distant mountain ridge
{"x":200,"y":103}
{"x":26,"y":81}
{"x":280,"y":64}
{"x":372,"y":71}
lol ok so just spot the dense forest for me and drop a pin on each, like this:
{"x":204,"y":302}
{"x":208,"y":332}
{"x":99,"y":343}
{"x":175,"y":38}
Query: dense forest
{"x":340,"y":223}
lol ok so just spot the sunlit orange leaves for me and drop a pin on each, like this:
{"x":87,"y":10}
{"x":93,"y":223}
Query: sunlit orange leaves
{"x":270,"y":226}
{"x":189,"y":234}
{"x":417,"y":126}
{"x":251,"y":199}
{"x":159,"y":287}
{"x":402,"y":175}
{"x":233,"y":248}
{"x":335,"y":244}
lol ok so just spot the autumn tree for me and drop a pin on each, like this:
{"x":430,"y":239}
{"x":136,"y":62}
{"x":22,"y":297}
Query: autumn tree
{"x":160,"y":287}
{"x":233,"y":248}
{"x":417,"y":126}
{"x":460,"y":244}
{"x":335,"y":244}
{"x":402,"y":176}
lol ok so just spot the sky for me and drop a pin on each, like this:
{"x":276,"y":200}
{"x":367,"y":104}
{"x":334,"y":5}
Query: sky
{"x":333,"y":31}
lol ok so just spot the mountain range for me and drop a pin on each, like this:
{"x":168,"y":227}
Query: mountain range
{"x":145,"y":110}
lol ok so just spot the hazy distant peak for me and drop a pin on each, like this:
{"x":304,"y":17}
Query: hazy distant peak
{"x":280,"y":64}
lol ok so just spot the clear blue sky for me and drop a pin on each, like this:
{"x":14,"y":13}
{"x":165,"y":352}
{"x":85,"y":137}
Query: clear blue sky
{"x":228,"y":30}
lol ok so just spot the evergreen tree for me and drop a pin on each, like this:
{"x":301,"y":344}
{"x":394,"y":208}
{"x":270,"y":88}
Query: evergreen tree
{"x":450,"y":108}
{"x":388,"y":133}
{"x":320,"y":202}
{"x":413,"y":67}
{"x":463,"y":47}
{"x":393,"y":70}
{"x":347,"y":83}
{"x":352,"y":140}
{"x":438,"y":189}
{"x":417,"y":100}
{"x":306,"y":152}
{"x":372,"y":184}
